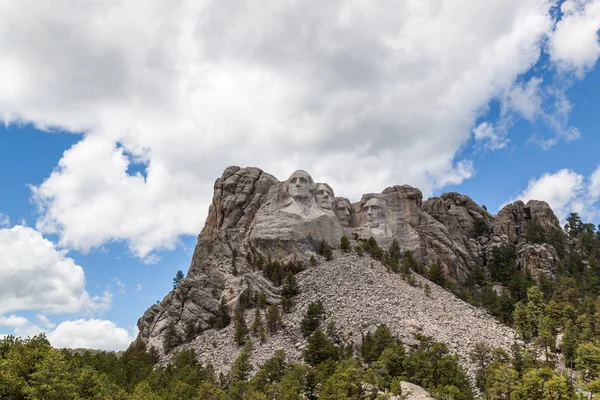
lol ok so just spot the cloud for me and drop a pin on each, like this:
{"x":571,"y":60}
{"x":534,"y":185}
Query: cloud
{"x":491,"y":139}
{"x":92,"y":334}
{"x":566,"y":191}
{"x":44,"y":321}
{"x":171,"y":93}
{"x":21,"y":326}
{"x":37,"y":276}
{"x":80,"y":333}
{"x":4,"y":221}
{"x":575,"y":44}
{"x":120,"y":285}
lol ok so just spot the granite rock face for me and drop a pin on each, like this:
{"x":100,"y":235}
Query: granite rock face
{"x":537,"y":259}
{"x":254,"y":216}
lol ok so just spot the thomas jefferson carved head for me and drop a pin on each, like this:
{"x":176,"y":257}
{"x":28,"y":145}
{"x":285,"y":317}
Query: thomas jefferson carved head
{"x":299,"y":186}
{"x":324,"y":196}
{"x":374,"y":211}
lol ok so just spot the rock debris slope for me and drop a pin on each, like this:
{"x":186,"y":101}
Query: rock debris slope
{"x":254,"y":217}
{"x":358,"y":294}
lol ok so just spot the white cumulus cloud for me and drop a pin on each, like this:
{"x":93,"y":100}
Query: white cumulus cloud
{"x":575,"y":44}
{"x":92,"y":334}
{"x":38,"y":276}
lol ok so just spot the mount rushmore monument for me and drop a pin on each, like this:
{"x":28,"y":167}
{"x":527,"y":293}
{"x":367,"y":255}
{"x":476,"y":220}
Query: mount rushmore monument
{"x":255,"y":216}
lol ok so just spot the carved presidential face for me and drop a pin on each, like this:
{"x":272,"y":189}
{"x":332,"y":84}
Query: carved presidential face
{"x":374,"y":212}
{"x":324,"y":196}
{"x":342,"y":211}
{"x":299,"y":185}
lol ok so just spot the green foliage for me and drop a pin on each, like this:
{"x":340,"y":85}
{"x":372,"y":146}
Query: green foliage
{"x":242,"y":367}
{"x":375,"y":344}
{"x":273,"y":319}
{"x":328,"y":254}
{"x":319,"y":349}
{"x":574,"y":226}
{"x":345,"y":244}
{"x":32,"y":369}
{"x":359,"y":250}
{"x":427,"y":289}
{"x":289,"y":291}
{"x":178,"y":278}
{"x":313,"y":260}
{"x":503,"y":264}
{"x":435,"y":273}
{"x":240,"y":330}
{"x":312,"y":319}
{"x":480,"y":228}
{"x":371,"y":247}
{"x":171,"y":338}
{"x":262,"y":300}
{"x":222,"y":318}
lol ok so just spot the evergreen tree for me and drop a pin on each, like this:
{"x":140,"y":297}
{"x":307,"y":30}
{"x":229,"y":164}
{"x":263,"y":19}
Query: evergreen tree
{"x":222,"y":318}
{"x":481,"y":355}
{"x":178,"y":278}
{"x":262,"y":300}
{"x":170,"y":338}
{"x":273,"y":319}
{"x":345,"y":244}
{"x":286,"y":304}
{"x":574,"y":226}
{"x":312,"y":318}
{"x":242,"y":367}
{"x":257,"y":324}
{"x":436,"y":273}
{"x":240,"y":327}
{"x":319,"y":349}
{"x":427,"y":289}
{"x":290,"y":287}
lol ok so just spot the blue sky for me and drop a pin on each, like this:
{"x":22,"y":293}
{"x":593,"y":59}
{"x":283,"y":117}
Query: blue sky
{"x":116,"y":121}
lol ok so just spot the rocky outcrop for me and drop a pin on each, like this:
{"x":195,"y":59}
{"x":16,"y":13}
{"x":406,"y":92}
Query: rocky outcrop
{"x":254,"y":217}
{"x":516,"y":220}
{"x":538,"y":259}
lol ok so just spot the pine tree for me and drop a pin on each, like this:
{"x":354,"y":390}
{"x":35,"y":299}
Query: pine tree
{"x":178,"y":278}
{"x":222,"y":318}
{"x":273,"y":319}
{"x":312,"y":318}
{"x":242,"y":367}
{"x":241,"y":329}
{"x":170,"y":338}
{"x":427,"y":289}
{"x":190,"y":331}
{"x":345,"y":244}
{"x":262,"y":300}
{"x":286,"y":304}
{"x":328,"y":254}
{"x":319,"y":349}
{"x":262,"y":334}
{"x":436,"y":273}
{"x":290,"y":287}
{"x":257,"y":325}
